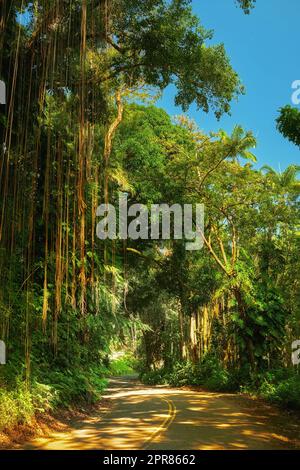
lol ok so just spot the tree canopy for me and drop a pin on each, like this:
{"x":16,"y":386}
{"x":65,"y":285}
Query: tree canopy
{"x":288,"y":123}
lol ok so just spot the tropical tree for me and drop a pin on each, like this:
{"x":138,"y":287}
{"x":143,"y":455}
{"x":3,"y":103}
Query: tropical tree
{"x":288,"y":124}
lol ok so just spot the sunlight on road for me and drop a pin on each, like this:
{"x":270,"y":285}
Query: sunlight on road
{"x":162,"y":418}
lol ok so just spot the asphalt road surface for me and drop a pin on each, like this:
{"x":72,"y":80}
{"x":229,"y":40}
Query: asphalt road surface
{"x":161,"y":418}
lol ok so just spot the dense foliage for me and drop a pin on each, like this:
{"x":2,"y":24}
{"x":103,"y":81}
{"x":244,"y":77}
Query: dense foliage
{"x":288,"y":124}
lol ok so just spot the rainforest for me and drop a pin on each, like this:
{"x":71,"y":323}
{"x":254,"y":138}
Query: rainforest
{"x":80,"y":127}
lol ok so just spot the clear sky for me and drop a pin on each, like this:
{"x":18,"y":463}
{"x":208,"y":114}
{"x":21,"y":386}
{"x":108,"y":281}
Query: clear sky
{"x":264,"y":49}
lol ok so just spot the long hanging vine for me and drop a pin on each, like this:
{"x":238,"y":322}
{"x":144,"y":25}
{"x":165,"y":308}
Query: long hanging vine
{"x":47,"y":216}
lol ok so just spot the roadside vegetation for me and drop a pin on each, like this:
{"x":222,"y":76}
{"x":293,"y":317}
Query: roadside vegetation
{"x":278,"y":386}
{"x":58,"y":390}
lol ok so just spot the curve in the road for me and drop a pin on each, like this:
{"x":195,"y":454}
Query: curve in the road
{"x":192,"y":419}
{"x":166,"y":423}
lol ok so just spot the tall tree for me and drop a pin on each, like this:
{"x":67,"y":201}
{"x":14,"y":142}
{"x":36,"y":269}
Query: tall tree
{"x":288,"y":124}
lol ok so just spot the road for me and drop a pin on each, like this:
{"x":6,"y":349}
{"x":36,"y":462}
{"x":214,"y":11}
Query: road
{"x":161,"y":418}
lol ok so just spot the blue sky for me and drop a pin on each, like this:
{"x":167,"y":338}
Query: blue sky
{"x":264,"y":50}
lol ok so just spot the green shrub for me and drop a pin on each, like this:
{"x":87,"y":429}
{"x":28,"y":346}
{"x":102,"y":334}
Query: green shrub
{"x":219,"y":380}
{"x":16,"y":407}
{"x":125,"y":365}
{"x":18,"y":403}
{"x":288,"y":392}
{"x":79,"y":385}
{"x":182,"y":374}
{"x":207,"y":373}
{"x":154,"y":377}
{"x":43,"y":397}
{"x":8,"y":410}
{"x":280,"y":388}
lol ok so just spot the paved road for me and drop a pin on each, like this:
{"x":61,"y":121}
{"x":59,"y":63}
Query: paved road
{"x":161,"y":418}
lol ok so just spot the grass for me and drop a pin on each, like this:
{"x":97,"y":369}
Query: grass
{"x":124,"y":365}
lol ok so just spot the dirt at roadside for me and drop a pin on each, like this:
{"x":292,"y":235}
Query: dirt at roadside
{"x":44,"y":424}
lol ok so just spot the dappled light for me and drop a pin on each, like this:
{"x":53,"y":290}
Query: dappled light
{"x":164,"y":418}
{"x":149,"y":262}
